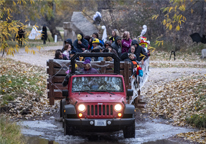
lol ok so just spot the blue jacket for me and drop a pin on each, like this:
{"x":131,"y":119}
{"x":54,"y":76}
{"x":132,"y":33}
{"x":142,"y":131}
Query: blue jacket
{"x":78,"y":47}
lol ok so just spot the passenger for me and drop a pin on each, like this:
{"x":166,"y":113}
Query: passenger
{"x":115,"y":33}
{"x":107,"y":44}
{"x":68,"y":41}
{"x":89,"y":39}
{"x":137,"y":70}
{"x":88,"y":68}
{"x":133,"y":51}
{"x":95,"y":35}
{"x":117,"y":45}
{"x":80,"y":44}
{"x":95,"y":43}
{"x":97,"y":49}
{"x":132,"y":57}
{"x":58,"y":54}
{"x":109,"y":50}
{"x":67,"y":50}
{"x":126,"y":42}
{"x":139,"y":50}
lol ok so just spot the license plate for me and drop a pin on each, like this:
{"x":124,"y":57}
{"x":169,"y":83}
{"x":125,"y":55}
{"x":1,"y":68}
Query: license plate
{"x":100,"y":123}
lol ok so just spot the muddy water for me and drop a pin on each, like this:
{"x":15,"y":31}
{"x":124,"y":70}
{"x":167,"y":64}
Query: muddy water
{"x":51,"y":132}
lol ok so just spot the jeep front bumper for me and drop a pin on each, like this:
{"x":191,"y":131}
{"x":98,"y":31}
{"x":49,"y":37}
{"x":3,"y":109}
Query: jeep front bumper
{"x":89,"y":124}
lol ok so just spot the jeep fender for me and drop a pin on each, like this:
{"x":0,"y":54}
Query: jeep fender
{"x":70,"y":109}
{"x":129,"y":109}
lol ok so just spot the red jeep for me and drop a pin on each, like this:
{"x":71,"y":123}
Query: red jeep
{"x":97,"y":102}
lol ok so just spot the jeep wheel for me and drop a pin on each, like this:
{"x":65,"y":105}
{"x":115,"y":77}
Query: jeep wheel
{"x":129,"y":131}
{"x":62,"y":103}
{"x":68,"y":130}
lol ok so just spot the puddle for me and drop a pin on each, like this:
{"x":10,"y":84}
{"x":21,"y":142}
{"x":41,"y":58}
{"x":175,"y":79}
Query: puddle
{"x":51,"y":132}
{"x":37,"y":140}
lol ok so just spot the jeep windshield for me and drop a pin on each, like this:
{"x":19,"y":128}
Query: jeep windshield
{"x":97,"y":84}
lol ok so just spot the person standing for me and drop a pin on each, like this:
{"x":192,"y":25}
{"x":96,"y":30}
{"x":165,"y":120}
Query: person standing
{"x":44,"y":34}
{"x":20,"y":36}
{"x":126,"y":42}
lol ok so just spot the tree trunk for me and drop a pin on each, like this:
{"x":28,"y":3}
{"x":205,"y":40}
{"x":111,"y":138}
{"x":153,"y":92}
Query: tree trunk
{"x":202,"y":18}
{"x":54,"y":32}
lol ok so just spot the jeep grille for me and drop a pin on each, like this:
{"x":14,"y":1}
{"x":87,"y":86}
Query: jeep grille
{"x":99,"y":110}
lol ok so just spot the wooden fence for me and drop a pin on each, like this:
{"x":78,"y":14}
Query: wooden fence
{"x":57,"y":71}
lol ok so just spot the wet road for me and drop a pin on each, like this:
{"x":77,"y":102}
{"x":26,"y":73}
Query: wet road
{"x":51,"y":132}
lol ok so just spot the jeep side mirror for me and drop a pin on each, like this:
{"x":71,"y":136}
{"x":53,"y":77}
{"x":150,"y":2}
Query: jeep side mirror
{"x":129,"y":92}
{"x":65,"y":93}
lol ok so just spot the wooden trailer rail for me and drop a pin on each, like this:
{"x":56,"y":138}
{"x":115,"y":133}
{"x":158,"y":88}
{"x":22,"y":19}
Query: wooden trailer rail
{"x":56,"y":70}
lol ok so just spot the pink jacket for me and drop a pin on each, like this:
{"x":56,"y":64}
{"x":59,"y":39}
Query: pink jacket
{"x":126,"y":44}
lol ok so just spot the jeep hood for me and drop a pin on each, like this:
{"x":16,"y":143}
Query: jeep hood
{"x":85,"y":98}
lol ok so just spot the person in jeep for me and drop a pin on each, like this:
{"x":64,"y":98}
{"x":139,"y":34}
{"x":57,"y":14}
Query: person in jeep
{"x":88,"y":68}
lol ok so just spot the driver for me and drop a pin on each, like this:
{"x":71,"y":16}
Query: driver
{"x":88,"y":68}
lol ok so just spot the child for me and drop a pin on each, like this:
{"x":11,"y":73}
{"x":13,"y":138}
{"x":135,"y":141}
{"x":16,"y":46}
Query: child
{"x":137,"y":70}
{"x":66,"y":50}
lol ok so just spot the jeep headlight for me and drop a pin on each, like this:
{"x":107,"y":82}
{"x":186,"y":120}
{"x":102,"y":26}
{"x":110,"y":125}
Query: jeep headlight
{"x":81,"y":107}
{"x":118,"y":107}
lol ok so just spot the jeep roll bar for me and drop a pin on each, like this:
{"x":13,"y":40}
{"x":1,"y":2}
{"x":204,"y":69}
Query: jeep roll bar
{"x":97,"y":54}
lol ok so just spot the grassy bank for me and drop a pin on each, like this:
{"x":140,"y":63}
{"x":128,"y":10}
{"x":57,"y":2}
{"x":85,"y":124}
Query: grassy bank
{"x":183,"y":101}
{"x":18,"y":79}
{"x":10,"y":132}
{"x":23,"y":89}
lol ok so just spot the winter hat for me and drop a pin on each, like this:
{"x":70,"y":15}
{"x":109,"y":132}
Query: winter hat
{"x":107,"y":42}
{"x":95,"y":40}
{"x":86,"y":61}
{"x":118,"y":38}
{"x":68,"y":41}
{"x":134,"y":62}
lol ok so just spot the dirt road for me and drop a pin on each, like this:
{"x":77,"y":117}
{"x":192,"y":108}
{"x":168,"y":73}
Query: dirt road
{"x":149,"y":131}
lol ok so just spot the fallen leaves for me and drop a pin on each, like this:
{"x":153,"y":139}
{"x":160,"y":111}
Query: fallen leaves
{"x":178,"y":100}
{"x":198,"y":136}
{"x":24,"y":90}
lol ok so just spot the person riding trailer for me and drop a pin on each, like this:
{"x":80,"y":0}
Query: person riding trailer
{"x":80,"y":44}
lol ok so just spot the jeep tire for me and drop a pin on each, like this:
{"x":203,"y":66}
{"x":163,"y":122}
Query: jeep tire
{"x":62,"y":103}
{"x":68,"y":130}
{"x":129,"y":131}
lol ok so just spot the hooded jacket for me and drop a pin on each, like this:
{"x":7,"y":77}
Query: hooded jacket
{"x":126,"y":44}
{"x":138,"y":50}
{"x":68,"y":41}
{"x":116,"y":46}
{"x":78,"y":47}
